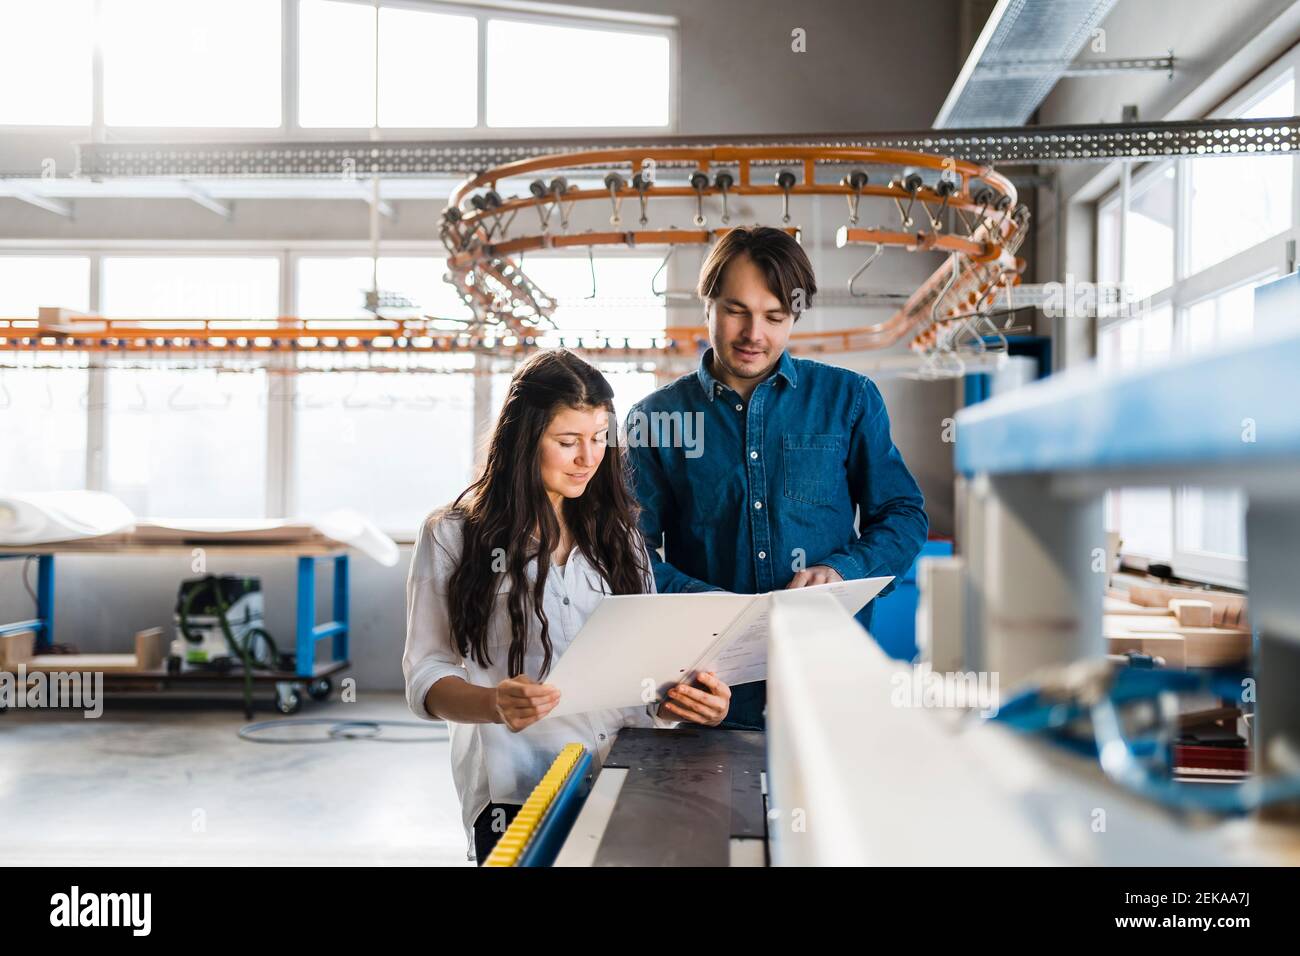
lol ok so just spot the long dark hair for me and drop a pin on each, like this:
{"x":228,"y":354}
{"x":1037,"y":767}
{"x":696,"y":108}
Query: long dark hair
{"x":504,"y":507}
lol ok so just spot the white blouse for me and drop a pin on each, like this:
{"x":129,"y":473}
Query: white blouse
{"x":489,"y":762}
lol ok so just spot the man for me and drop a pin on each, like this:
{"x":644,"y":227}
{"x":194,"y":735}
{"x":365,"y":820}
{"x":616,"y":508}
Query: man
{"x":789,"y":450}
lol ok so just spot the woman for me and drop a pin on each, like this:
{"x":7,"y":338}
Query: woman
{"x":486,"y":619}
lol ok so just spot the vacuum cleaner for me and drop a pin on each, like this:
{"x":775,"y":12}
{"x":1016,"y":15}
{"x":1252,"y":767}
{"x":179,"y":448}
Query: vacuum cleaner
{"x":219,"y":625}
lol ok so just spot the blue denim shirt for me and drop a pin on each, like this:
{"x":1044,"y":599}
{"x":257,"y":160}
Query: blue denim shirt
{"x":741,"y":494}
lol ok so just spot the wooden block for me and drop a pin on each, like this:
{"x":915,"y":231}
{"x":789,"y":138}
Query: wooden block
{"x":1148,"y":596}
{"x":1229,"y":610}
{"x":1193,"y":613}
{"x":1203,"y":646}
{"x":150,"y":649}
{"x":1112,"y":605}
{"x":1214,"y":647}
{"x":16,"y":649}
{"x":108,"y":663}
{"x":1170,"y":647}
{"x":939,"y":612}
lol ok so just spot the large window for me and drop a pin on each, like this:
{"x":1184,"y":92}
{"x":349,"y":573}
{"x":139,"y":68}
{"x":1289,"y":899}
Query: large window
{"x":190,"y":62}
{"x":393,"y":438}
{"x":427,"y":67}
{"x":43,"y":399}
{"x":187,"y":443}
{"x":301,"y":66}
{"x":390,"y":441}
{"x":576,"y":87}
{"x":335,"y":287}
{"x":1199,"y":235}
{"x":180,"y":435}
{"x":1149,"y":246}
{"x":184,"y":441}
{"x":1234,"y":202}
{"x":200,"y":287}
{"x":46,"y":52}
{"x":609,"y":297}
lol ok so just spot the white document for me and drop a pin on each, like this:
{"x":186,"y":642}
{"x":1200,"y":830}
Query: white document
{"x":634,"y":647}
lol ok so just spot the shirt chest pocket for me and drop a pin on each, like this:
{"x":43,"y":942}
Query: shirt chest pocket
{"x":814,"y":467}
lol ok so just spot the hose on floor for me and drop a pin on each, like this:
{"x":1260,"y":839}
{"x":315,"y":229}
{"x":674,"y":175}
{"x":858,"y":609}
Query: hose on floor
{"x":341,"y":730}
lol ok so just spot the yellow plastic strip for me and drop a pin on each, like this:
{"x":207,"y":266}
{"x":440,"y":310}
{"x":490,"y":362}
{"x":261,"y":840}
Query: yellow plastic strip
{"x":512,"y":843}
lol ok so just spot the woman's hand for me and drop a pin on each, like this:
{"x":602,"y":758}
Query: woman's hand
{"x":708,"y":707}
{"x":521,"y":701}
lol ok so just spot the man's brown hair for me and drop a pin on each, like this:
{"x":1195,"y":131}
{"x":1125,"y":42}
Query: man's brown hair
{"x":778,"y":256}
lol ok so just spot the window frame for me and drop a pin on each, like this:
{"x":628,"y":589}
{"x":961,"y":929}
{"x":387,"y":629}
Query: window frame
{"x":290,"y":129}
{"x":1248,"y":265}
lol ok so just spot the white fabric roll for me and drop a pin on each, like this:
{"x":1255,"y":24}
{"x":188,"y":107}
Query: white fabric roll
{"x":46,"y":517}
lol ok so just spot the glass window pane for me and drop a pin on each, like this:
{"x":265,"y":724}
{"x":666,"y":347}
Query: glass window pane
{"x":1108,"y":347}
{"x":1146,"y":522}
{"x":409,"y":94}
{"x":1226,"y":317}
{"x":1157,"y":334}
{"x":336,"y":64}
{"x":1149,"y":244}
{"x":191,"y":63}
{"x":335,"y":287}
{"x":624,"y":307}
{"x":1235,"y":202}
{"x":336,"y":67}
{"x":46,"y":52}
{"x":1212,"y":521}
{"x":29,"y":282}
{"x":42,"y":412}
{"x":1108,"y":243}
{"x":392,"y":446}
{"x":225,"y":287}
{"x":187,"y":443}
{"x":569,"y":91}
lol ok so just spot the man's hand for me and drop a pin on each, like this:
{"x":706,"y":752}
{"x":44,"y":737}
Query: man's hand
{"x":521,"y":701}
{"x":817,"y":574}
{"x":698,"y":706}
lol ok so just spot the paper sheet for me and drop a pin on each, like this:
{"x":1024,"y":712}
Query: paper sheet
{"x":634,"y":647}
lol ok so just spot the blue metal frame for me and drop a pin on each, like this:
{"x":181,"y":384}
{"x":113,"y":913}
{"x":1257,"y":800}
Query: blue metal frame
{"x":1185,"y":411}
{"x":308,"y":632}
{"x":43,"y":623}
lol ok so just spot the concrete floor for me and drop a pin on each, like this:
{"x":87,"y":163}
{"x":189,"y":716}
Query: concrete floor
{"x":159,"y":782}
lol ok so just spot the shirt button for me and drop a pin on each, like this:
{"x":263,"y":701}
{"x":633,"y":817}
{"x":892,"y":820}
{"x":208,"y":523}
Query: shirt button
{"x":753,"y":454}
{"x":762,"y":555}
{"x":740,"y":408}
{"x":566,"y":600}
{"x":758,"y":504}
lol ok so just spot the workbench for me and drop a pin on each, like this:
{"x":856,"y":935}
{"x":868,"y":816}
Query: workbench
{"x":309,"y":673}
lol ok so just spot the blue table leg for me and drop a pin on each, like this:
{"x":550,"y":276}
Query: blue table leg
{"x":341,"y":607}
{"x":45,"y":602}
{"x":306,"y":636}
